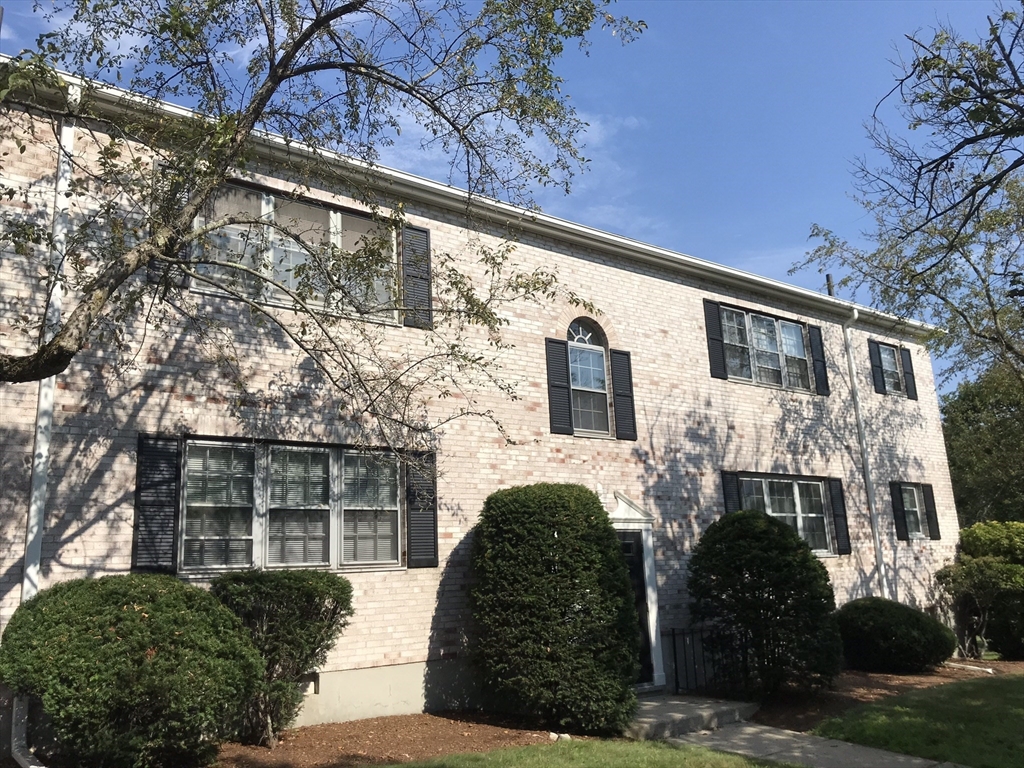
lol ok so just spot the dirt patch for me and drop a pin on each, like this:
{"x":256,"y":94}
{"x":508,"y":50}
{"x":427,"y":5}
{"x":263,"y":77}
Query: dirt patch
{"x":797,"y":712}
{"x":383,"y":740}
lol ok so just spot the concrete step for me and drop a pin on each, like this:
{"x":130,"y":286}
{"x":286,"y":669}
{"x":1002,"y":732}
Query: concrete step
{"x":664,"y":717}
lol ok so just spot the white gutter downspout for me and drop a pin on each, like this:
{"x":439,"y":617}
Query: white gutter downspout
{"x":44,"y":413}
{"x":865,"y":457}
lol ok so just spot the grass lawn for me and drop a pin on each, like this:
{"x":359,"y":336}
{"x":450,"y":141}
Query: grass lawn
{"x":598,"y":754}
{"x":979,"y":723}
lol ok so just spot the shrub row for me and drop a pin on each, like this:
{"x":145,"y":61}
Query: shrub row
{"x":145,"y":671}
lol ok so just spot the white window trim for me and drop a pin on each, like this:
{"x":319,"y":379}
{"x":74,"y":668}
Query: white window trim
{"x":579,"y":431}
{"x":826,"y":506}
{"x":923,"y":531}
{"x":261,"y":513}
{"x":898,"y":356}
{"x":751,"y":358}
{"x":266,"y":256}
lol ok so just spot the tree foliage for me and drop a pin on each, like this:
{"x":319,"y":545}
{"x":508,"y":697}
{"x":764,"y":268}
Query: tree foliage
{"x":983,"y":424}
{"x":557,"y":635}
{"x":294,"y":618}
{"x":755,"y":579}
{"x":948,"y":197}
{"x":475,"y":82}
{"x":133,"y":671}
{"x":984,"y":588}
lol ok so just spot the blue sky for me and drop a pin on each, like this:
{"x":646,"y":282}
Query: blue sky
{"x":727,"y":128}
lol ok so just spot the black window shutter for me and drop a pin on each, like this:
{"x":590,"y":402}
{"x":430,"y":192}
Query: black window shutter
{"x":818,"y":361}
{"x":898,"y":512}
{"x":930,"y":513}
{"x":876,"y":366}
{"x":731,"y":490}
{"x":421,"y":511}
{"x":416,"y":278}
{"x":842,"y":529}
{"x":908,"y":374}
{"x":622,"y":393}
{"x":559,"y":391}
{"x":716,"y":345}
{"x":157,"y":494}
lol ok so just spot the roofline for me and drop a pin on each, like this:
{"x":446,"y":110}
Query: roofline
{"x":409,"y":186}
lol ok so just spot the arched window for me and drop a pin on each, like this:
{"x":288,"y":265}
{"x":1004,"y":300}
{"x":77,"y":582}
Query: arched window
{"x":586,"y":381}
{"x":588,"y":377}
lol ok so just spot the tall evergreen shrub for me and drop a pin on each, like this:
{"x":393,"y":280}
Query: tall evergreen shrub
{"x":294,"y":618}
{"x":756,"y":582}
{"x":558,"y":632}
{"x":133,"y":671}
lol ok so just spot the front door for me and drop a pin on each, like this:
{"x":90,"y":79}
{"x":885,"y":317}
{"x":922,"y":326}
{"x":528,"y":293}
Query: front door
{"x":633,"y":551}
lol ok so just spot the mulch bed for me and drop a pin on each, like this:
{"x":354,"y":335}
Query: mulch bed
{"x":386,"y":740}
{"x":802,"y":712}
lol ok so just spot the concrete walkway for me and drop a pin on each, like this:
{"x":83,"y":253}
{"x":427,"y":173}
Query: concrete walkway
{"x":719,"y":724}
{"x":762,"y":741}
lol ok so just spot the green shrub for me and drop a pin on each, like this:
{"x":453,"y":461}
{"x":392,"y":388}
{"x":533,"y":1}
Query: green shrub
{"x":1003,"y":540}
{"x":294,"y":619}
{"x":558,"y":632}
{"x":756,"y":580}
{"x":984,"y":589}
{"x":133,"y":671}
{"x":885,"y":636}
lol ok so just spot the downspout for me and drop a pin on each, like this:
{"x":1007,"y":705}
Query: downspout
{"x":44,"y":411}
{"x":865,"y":458}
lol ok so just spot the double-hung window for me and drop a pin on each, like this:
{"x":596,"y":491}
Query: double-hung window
{"x":892,"y":370}
{"x":914,"y":511}
{"x":745,"y":345}
{"x":303,"y":247}
{"x":588,"y":378}
{"x":798,"y":502}
{"x":279,"y":505}
{"x":765,"y":349}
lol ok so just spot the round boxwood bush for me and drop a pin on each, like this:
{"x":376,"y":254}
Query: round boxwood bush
{"x":294,"y":619}
{"x":768,"y":597}
{"x":133,"y":671}
{"x":558,"y":635}
{"x":881,"y":635}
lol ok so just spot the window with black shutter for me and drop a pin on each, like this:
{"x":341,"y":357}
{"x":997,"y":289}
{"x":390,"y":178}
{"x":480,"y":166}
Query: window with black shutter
{"x":892,"y":370}
{"x":579,"y":370}
{"x":814,"y":507}
{"x":236,"y":504}
{"x":913,"y":509}
{"x":744,"y":345}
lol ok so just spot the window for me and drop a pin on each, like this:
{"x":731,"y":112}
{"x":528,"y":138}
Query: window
{"x":299,"y":252}
{"x":914,"y":512}
{"x":750,"y":346}
{"x":588,"y":378}
{"x":206,"y":504}
{"x":798,"y":503}
{"x":814,"y":507}
{"x":892,"y":370}
{"x":288,"y":501}
{"x":579,"y":368}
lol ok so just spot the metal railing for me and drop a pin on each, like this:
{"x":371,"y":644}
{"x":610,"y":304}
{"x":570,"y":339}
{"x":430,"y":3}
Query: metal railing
{"x":708,"y":661}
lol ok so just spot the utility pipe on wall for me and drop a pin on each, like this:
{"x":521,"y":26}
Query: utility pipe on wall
{"x":865,"y":457}
{"x":36,"y":518}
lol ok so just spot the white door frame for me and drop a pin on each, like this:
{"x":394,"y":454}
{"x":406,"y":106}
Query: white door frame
{"x":630,"y":516}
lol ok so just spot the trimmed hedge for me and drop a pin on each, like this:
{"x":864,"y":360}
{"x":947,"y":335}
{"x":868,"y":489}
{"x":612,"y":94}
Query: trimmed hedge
{"x":294,"y":618}
{"x":769,"y":598}
{"x":558,"y":634}
{"x":133,"y":671}
{"x":885,"y":636}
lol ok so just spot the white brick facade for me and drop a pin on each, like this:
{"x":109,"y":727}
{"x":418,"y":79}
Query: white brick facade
{"x":690,"y":426}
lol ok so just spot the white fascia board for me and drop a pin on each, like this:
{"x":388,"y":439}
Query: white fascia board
{"x":407,"y":186}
